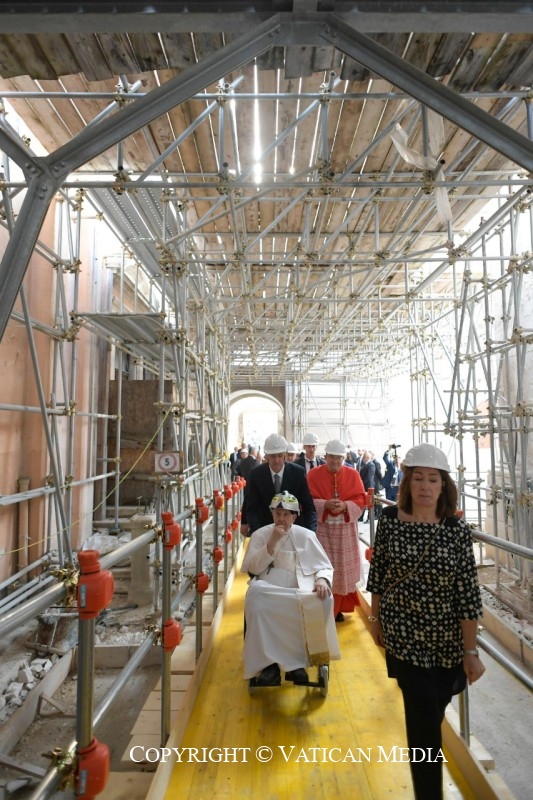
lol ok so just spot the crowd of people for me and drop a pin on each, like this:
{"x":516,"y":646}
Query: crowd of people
{"x":301,"y":512}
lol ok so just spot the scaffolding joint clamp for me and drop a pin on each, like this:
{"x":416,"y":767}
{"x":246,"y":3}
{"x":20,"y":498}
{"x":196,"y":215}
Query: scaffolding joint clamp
{"x":65,"y":764}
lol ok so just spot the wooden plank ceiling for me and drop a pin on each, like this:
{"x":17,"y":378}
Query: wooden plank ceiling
{"x":304,"y":263}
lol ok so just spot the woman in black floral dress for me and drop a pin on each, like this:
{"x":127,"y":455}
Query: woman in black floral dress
{"x":425,"y":606}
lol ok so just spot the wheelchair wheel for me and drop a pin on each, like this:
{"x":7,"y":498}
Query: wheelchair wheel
{"x":323,"y":679}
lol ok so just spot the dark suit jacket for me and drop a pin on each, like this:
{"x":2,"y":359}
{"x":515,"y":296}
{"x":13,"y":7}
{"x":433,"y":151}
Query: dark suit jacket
{"x":367,"y":473}
{"x":301,"y":460}
{"x":245,"y":466}
{"x":259,"y":491}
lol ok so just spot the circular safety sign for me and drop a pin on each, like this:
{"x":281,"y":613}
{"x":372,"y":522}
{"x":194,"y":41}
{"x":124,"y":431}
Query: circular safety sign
{"x":167,"y":462}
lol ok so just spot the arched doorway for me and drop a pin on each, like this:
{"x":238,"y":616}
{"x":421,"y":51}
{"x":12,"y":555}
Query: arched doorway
{"x":252,"y":417}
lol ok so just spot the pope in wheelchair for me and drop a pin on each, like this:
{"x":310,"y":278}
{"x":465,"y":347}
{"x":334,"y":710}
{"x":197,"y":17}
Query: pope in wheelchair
{"x":289,"y":604}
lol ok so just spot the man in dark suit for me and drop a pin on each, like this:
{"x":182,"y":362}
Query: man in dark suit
{"x":245,"y":464}
{"x":309,"y":459}
{"x":261,"y":488}
{"x":367,"y":472}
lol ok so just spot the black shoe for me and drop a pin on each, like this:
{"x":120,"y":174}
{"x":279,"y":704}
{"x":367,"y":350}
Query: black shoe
{"x":269,"y":676}
{"x":299,"y":676}
{"x":339,"y":617}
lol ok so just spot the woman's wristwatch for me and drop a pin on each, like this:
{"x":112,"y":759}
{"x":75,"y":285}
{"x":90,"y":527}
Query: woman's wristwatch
{"x":372,"y":618}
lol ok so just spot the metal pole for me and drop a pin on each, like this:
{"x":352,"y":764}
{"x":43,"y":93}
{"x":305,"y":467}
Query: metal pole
{"x":199,"y":595}
{"x":216,"y":513}
{"x":22,"y":572}
{"x":85,"y":688}
{"x":464,"y":716}
{"x":166,"y":687}
{"x":117,"y":447}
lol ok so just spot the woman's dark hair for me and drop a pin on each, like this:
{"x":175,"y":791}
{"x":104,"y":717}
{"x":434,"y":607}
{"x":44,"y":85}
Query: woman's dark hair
{"x":447,"y":502}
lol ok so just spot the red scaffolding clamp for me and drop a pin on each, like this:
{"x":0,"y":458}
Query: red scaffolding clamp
{"x":202,"y":511}
{"x":171,"y":531}
{"x":171,"y":635}
{"x":202,"y":582}
{"x":228,"y":491}
{"x":228,"y":535}
{"x":95,"y":585}
{"x":218,"y":554}
{"x":218,"y":500}
{"x":92,"y":769}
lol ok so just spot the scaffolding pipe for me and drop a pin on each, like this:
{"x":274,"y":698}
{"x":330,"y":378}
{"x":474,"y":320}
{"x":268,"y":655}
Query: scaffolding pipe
{"x":21,"y":572}
{"x":53,"y":779}
{"x":53,"y":595}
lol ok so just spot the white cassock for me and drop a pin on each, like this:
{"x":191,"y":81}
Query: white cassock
{"x":286,"y":622}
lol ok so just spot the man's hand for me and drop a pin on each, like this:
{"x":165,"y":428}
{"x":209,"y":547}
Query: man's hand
{"x":278,"y":532}
{"x":335,"y":506}
{"x":322,"y":588}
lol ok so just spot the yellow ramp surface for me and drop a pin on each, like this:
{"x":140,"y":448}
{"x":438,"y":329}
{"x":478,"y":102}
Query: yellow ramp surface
{"x":290,"y":741}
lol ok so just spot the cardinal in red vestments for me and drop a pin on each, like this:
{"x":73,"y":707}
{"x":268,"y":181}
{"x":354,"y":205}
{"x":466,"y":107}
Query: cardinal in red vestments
{"x":339,"y":497}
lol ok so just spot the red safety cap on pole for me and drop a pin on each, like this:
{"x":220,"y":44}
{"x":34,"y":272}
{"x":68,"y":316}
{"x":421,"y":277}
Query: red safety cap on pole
{"x":92,"y":770}
{"x":167,"y":517}
{"x":202,"y":582}
{"x":202,"y":511}
{"x":95,"y":585}
{"x":171,"y":535}
{"x":171,"y":635}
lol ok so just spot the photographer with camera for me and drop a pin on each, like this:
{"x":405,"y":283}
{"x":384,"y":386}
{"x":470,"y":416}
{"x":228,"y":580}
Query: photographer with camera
{"x":393,"y":474}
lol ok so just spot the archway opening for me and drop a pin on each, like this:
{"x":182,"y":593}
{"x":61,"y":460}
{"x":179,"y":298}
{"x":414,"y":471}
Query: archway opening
{"x":252,"y":417}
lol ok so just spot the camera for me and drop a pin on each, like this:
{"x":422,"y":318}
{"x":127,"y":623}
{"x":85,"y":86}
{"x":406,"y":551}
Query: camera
{"x":394,"y":446}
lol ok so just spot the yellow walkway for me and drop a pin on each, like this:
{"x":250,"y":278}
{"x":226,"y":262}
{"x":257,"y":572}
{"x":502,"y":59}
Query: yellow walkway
{"x":291,"y":742}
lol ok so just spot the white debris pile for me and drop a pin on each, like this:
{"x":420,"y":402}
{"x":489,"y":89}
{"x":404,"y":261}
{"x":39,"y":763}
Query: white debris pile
{"x":105,"y":542}
{"x":27,"y":677}
{"x":125,"y":634}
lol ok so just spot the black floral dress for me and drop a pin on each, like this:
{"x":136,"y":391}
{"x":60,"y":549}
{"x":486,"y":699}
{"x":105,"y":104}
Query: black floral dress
{"x":426,"y":576}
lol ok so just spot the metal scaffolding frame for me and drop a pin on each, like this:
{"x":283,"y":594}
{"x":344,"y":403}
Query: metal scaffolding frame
{"x":203,"y":301}
{"x":349,"y":283}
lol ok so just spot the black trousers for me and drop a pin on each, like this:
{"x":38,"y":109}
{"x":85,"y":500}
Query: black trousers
{"x":426,"y":693}
{"x":423,"y":719}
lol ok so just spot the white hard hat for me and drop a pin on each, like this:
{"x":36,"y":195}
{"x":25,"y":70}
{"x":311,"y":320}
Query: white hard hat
{"x":292,"y":448}
{"x":275,"y":444}
{"x":335,"y":448}
{"x":426,"y":455}
{"x":310,"y":438}
{"x":285,"y":500}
